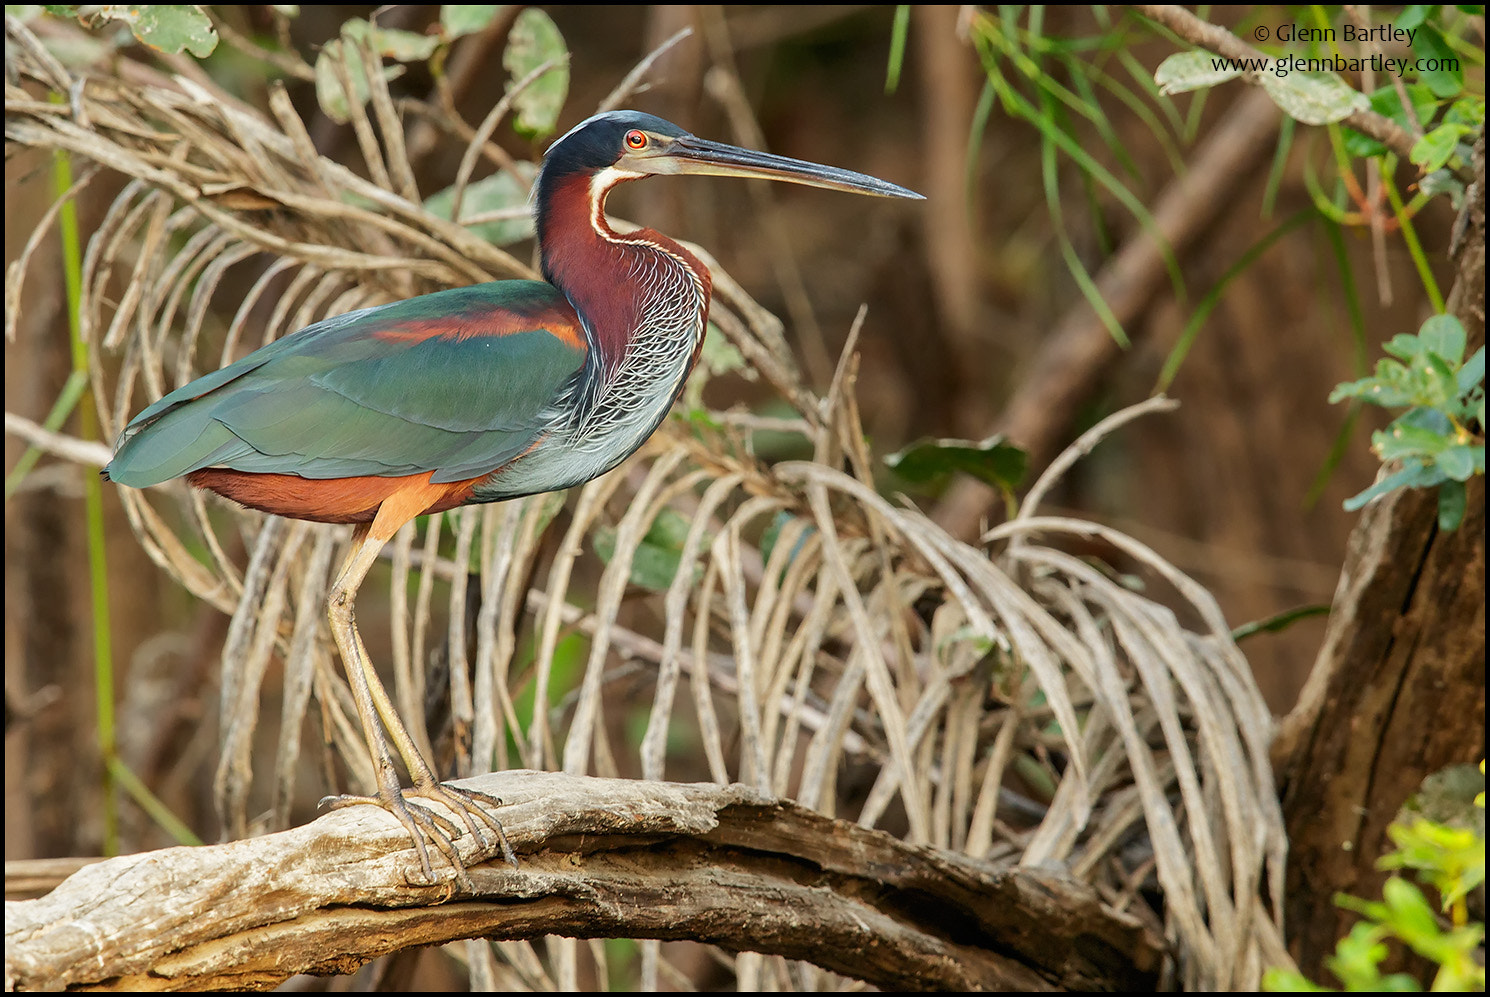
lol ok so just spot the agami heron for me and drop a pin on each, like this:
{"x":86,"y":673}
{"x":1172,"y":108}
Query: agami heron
{"x":475,"y":394}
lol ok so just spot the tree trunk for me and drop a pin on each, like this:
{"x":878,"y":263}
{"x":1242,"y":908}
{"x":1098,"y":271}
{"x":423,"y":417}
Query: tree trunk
{"x":1398,"y":691}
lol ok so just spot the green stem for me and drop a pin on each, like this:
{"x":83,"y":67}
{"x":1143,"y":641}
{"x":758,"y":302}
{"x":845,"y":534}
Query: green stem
{"x":1213,"y":296}
{"x":1414,"y":248}
{"x":72,"y":391}
{"x":898,"y":34}
{"x":103,"y":656}
{"x":150,"y":803}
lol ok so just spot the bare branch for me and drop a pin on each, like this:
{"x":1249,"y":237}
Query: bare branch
{"x":601,"y":858}
{"x":628,"y":86}
{"x":85,"y":452}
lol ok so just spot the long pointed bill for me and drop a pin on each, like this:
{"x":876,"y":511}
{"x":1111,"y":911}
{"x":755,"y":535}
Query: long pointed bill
{"x":695,"y":155}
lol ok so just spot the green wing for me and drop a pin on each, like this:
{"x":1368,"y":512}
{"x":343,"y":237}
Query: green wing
{"x":456,"y":382}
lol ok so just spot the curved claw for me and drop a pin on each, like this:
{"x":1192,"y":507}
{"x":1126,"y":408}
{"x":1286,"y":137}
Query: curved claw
{"x":421,"y":822}
{"x":464,"y":802}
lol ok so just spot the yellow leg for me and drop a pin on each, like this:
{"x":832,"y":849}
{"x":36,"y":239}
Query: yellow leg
{"x":426,"y":783}
{"x":376,"y":712}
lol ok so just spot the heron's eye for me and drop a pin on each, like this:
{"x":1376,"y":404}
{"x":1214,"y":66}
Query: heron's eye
{"x":636,"y":139}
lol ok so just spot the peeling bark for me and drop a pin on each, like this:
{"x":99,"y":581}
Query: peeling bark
{"x":601,"y":858}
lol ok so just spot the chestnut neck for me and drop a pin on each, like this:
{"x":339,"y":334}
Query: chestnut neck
{"x":599,"y":271}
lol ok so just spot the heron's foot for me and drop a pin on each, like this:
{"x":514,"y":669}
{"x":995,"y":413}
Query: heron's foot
{"x":472,"y":805}
{"x":422,"y":823}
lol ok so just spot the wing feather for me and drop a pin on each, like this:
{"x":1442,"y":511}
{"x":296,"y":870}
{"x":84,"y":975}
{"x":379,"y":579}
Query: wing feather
{"x":458,"y":382}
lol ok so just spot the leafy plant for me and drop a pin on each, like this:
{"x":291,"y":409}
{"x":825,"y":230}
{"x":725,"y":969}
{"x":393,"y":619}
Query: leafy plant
{"x":1446,"y":856}
{"x":534,"y":46}
{"x":165,"y":27}
{"x":994,"y":461}
{"x":1440,"y":439}
{"x":1435,"y":103}
{"x":534,"y":43}
{"x":1436,"y":109}
{"x":655,"y":561}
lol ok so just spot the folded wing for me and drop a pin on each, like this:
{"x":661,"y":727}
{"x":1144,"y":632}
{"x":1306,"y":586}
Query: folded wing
{"x":456,"y":383}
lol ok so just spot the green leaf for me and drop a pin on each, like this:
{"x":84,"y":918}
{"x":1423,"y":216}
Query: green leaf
{"x":1387,"y":102}
{"x":494,"y":193}
{"x":772,"y":534}
{"x":1461,"y":411}
{"x":1458,"y":461}
{"x":1357,"y":957}
{"x":898,"y":32}
{"x":1443,"y":182}
{"x":1414,"y":475}
{"x":1472,"y":373}
{"x":1430,"y":419}
{"x":719,"y":356}
{"x":1444,"y":853}
{"x":1391,"y":386}
{"x":1427,"y":846}
{"x":1444,"y":335}
{"x":1187,"y":71}
{"x":1351,"y":389}
{"x":329,"y":92}
{"x":457,"y":19}
{"x":1411,"y":916}
{"x":1413,"y":14}
{"x":1468,"y":111}
{"x":670,"y":529}
{"x":655,"y":563}
{"x":1035,"y":775}
{"x":1452,"y":501}
{"x":1440,"y":385}
{"x":981,"y":643}
{"x":404,"y":46}
{"x":1399,"y":983}
{"x":1401,"y":440}
{"x":1314,"y":98}
{"x":1290,"y":981}
{"x":1448,"y":79}
{"x":168,"y":27}
{"x":533,"y":41}
{"x":1279,"y":622}
{"x":391,"y":43}
{"x":1366,"y":908}
{"x":1434,"y":150}
{"x":1404,"y":345}
{"x":993,"y":461}
{"x":25,"y":12}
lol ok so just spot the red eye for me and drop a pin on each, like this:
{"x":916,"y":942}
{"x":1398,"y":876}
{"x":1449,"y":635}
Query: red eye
{"x":636,"y":139}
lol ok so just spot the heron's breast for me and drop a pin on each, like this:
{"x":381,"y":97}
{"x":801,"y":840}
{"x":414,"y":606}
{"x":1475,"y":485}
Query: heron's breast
{"x":620,"y":400}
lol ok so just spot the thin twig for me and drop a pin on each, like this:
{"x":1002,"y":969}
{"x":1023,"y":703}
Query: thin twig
{"x":628,"y":85}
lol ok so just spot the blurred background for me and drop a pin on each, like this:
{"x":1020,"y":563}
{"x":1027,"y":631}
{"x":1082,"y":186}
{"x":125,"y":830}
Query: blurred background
{"x":976,"y":321}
